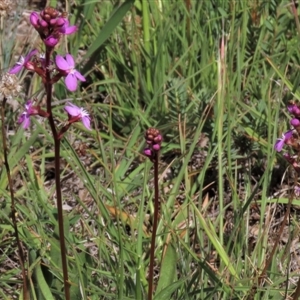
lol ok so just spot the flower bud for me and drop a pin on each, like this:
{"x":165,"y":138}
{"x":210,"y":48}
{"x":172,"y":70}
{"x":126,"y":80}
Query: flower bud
{"x":53,"y":22}
{"x":60,"y":22}
{"x":43,"y":23}
{"x":156,"y":147}
{"x":34,"y":18}
{"x":148,"y":152}
{"x":51,"y":41}
{"x":158,"y":139}
{"x":295,"y":122}
{"x":153,"y":140}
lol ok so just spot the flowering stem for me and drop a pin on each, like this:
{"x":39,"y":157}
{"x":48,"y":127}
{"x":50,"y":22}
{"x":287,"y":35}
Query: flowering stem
{"x":13,"y":208}
{"x":155,"y":219}
{"x":48,"y":87}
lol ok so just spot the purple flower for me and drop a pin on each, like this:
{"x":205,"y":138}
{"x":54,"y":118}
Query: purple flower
{"x":51,"y":41}
{"x":24,"y":62}
{"x":294,"y":110}
{"x":156,"y":147}
{"x":67,"y":66}
{"x":66,"y":29}
{"x":282,"y":141}
{"x":24,"y":118}
{"x":34,"y":18}
{"x":148,"y":152}
{"x":295,"y":122}
{"x":78,"y":113}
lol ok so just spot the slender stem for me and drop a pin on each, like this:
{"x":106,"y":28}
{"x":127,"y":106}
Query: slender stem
{"x":155,"y":219}
{"x":13,"y":208}
{"x":48,"y":87}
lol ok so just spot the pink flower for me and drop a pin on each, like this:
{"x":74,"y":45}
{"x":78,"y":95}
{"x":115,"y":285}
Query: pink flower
{"x":66,"y":29}
{"x":23,"y":62}
{"x":148,"y":152}
{"x":282,"y":141}
{"x":295,"y":122}
{"x":77,"y":113}
{"x":50,"y":41}
{"x":34,"y":18}
{"x":24,"y":118}
{"x":67,"y":67}
{"x":294,"y":110}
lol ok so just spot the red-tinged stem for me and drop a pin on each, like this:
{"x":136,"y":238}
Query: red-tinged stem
{"x":13,"y":208}
{"x":155,"y":221}
{"x":48,"y":87}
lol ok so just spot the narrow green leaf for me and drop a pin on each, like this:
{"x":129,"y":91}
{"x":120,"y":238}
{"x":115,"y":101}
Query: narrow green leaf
{"x":42,"y":284}
{"x":168,"y":269}
{"x":169,"y":290}
{"x":108,"y":28}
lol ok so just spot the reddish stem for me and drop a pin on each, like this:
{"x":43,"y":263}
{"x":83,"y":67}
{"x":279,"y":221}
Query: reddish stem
{"x":48,"y":87}
{"x":155,"y":221}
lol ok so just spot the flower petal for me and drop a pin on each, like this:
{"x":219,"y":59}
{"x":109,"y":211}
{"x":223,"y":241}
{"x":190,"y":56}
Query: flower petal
{"x":79,"y":76}
{"x":61,"y":63}
{"x":29,"y":55}
{"x":279,"y":145}
{"x":72,"y":109}
{"x":15,"y":69}
{"x":71,"y":82}
{"x":86,"y":122}
{"x":287,"y":135}
{"x":25,"y":120}
{"x":21,"y":118}
{"x":70,"y":61}
{"x":70,"y":29}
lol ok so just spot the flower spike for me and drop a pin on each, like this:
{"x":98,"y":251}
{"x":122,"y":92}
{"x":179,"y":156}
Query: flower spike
{"x":153,"y":140}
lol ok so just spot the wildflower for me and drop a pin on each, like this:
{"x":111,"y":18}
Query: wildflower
{"x":24,"y":118}
{"x":153,"y":140}
{"x":24,"y":62}
{"x":282,"y":141}
{"x":66,"y":67}
{"x":34,"y":19}
{"x":295,"y":122}
{"x":51,"y":41}
{"x":294,"y":110}
{"x":76,"y":113}
{"x":66,"y":29}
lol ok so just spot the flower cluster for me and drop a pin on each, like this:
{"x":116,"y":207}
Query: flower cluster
{"x":51,"y":26}
{"x":291,"y":139}
{"x":153,"y":140}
